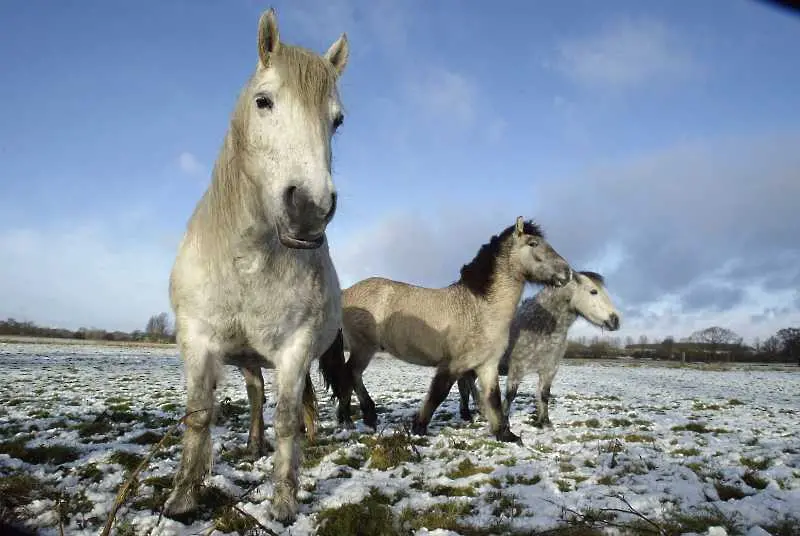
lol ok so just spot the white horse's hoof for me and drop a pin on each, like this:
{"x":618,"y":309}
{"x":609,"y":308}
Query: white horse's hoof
{"x":180,"y":503}
{"x":284,"y":504}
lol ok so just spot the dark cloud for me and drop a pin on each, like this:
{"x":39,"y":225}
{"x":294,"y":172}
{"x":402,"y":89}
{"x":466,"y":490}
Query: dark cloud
{"x":711,"y":297}
{"x":770,"y":313}
{"x":686,"y":215}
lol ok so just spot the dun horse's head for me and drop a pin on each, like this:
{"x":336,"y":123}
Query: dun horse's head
{"x":588,"y":298}
{"x":285,"y":119}
{"x":539,"y":262}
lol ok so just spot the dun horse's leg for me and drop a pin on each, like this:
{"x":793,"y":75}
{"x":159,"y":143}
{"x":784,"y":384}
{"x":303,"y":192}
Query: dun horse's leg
{"x":464,"y":390}
{"x":357,"y":364}
{"x":254,"y":380}
{"x":440,"y":387}
{"x":490,"y":390}
{"x":476,"y":397}
{"x":202,"y":360}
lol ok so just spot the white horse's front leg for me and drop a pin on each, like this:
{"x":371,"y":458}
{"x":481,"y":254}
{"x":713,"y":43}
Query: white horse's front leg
{"x":290,"y":378}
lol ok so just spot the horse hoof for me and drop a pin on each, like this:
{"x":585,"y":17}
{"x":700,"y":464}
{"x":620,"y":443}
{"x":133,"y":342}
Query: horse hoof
{"x":507,"y":436}
{"x":284,"y":504}
{"x":418,"y":427}
{"x":180,"y":505}
{"x":372,"y":422}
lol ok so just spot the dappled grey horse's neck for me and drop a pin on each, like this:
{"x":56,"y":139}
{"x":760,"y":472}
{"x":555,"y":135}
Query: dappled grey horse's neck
{"x":548,"y":312}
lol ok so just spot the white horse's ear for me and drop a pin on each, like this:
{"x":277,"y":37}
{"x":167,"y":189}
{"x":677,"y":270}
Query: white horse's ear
{"x":338,"y":53}
{"x":520,"y":225}
{"x":268,"y":38}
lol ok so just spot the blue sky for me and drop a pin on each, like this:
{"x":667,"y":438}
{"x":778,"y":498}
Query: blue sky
{"x":655,"y":142}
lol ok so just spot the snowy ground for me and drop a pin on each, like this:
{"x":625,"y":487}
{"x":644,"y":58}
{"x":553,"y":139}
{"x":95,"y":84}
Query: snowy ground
{"x":687,"y":448}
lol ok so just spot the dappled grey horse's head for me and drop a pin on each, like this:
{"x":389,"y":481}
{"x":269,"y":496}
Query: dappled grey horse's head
{"x":589,"y":299}
{"x":282,"y":129}
{"x":537,"y":261}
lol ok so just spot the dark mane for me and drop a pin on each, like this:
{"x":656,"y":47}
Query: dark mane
{"x":477,"y":276}
{"x":594,"y":276}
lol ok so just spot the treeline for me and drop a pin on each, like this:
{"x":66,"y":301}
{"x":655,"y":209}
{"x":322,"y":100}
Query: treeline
{"x":157,"y":329}
{"x":714,"y":344}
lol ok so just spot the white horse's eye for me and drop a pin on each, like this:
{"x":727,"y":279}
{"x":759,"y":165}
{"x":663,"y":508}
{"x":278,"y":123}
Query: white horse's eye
{"x":264,"y":102}
{"x":593,"y":291}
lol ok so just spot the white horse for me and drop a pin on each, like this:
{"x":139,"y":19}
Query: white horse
{"x":538,"y":338}
{"x":253,"y":284}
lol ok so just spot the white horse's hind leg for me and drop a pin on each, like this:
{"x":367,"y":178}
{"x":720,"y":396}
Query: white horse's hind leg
{"x":543,"y":400}
{"x":202,"y":364}
{"x":290,"y":378}
{"x":254,"y":380}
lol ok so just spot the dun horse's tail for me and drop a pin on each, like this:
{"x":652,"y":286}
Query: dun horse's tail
{"x":310,"y":415}
{"x":334,"y":371}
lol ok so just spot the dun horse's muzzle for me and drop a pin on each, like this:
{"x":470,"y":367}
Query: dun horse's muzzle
{"x":559,"y":280}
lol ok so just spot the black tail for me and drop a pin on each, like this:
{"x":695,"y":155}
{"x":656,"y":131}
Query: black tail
{"x":334,"y":371}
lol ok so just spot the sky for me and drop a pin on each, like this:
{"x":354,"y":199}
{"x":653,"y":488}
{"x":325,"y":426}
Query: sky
{"x":655,"y":142}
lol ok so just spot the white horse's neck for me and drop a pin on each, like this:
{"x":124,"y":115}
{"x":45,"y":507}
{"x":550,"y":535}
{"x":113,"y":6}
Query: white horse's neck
{"x":552,"y":303}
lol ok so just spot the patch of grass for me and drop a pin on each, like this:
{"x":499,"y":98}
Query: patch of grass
{"x":564,"y":485}
{"x":54,"y":454}
{"x":735,"y":402}
{"x":754,"y":480}
{"x":231,"y":520}
{"x":686,"y":451}
{"x":313,"y":454}
{"x":509,"y":462}
{"x":370,"y":517}
{"x":508,"y":505}
{"x":452,"y":491}
{"x":566,"y":467}
{"x":699,"y":406}
{"x":351,"y":461}
{"x":523,"y":480}
{"x":391,"y":450}
{"x":787,"y":526}
{"x":621,"y":422}
{"x":755,"y":464}
{"x":592,"y":423}
{"x":147,"y":438}
{"x":92,"y":428}
{"x":90,"y":472}
{"x":466,"y":468}
{"x":439,"y":516}
{"x":607,"y":480}
{"x":696,"y":427}
{"x":128,"y":460}
{"x":699,"y":521}
{"x":727,"y":492}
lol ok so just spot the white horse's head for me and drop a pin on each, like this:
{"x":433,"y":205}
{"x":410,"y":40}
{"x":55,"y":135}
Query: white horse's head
{"x":591,"y":301}
{"x":282,"y":130}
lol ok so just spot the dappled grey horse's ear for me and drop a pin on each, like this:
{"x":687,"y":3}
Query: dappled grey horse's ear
{"x":520,"y":225}
{"x":268,"y":38}
{"x":338,"y":53}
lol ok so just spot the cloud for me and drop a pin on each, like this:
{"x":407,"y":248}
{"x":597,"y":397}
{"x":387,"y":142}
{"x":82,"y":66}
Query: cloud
{"x":444,"y":95}
{"x":625,"y":54}
{"x":82,"y":274}
{"x":698,"y":234}
{"x":190,"y":165}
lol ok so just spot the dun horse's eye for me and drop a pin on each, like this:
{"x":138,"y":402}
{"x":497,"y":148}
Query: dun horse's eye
{"x":264,"y":102}
{"x":533,"y":243}
{"x":337,"y":121}
{"x":593,"y":291}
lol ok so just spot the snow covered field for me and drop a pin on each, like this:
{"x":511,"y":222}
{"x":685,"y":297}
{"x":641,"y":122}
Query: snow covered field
{"x":685,"y":448}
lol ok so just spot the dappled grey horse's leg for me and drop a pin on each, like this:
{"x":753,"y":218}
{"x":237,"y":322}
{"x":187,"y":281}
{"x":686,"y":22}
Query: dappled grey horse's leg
{"x":490,"y":394}
{"x":257,"y":446}
{"x":512,"y":386}
{"x":464,"y":390}
{"x":440,"y":387}
{"x":202,"y":364}
{"x":543,"y":401}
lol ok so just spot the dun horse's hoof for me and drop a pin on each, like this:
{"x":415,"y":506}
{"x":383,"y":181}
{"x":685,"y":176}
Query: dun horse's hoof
{"x":371,"y":420}
{"x":418,"y":427}
{"x":507,"y":436}
{"x":466,"y":415}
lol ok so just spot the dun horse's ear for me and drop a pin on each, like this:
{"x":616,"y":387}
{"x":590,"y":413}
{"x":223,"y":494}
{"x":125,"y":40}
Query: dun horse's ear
{"x":520,"y":225}
{"x":338,"y":53}
{"x":268,"y":38}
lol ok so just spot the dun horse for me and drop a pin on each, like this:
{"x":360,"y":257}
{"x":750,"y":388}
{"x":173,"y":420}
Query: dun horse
{"x":538,"y":338}
{"x":253,"y":284}
{"x":456,"y":329}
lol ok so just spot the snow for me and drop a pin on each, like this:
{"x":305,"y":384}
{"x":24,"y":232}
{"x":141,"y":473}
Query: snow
{"x":620,"y":429}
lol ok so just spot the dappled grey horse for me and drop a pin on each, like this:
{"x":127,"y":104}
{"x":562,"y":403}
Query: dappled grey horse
{"x":458,"y":328}
{"x":538,"y":338}
{"x":253,"y":284}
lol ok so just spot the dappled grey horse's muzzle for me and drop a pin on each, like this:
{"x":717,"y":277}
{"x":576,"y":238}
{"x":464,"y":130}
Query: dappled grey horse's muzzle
{"x":306,"y":220}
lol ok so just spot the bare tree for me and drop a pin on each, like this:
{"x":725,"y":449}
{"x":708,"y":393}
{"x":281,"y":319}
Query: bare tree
{"x":643,"y":339}
{"x":629,"y":341}
{"x":771,"y":346}
{"x":158,"y":326}
{"x":669,"y":345}
{"x":714,"y":337}
{"x":790,"y":342}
